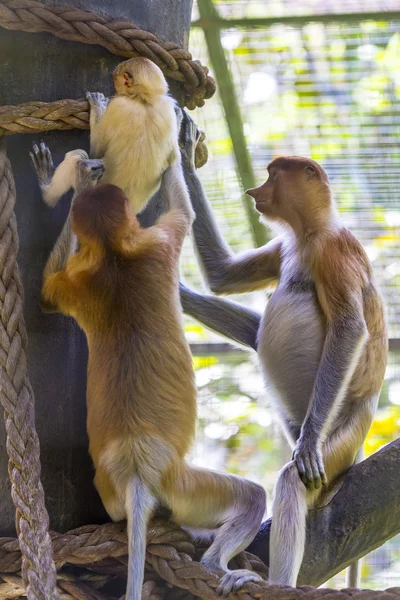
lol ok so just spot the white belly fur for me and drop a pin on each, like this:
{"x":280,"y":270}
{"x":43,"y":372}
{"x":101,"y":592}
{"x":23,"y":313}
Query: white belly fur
{"x":290,"y":348}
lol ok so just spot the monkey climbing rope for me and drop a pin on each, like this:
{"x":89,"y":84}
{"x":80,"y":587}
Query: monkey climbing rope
{"x":98,"y":550}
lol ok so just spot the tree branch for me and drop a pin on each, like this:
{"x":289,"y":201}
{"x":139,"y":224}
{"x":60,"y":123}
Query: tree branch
{"x":363,"y":515}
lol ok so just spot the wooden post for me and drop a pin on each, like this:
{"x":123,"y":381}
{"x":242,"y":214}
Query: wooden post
{"x":43,"y":67}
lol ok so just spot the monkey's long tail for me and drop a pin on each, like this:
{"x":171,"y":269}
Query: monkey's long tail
{"x":139,"y":505}
{"x":288,"y":530}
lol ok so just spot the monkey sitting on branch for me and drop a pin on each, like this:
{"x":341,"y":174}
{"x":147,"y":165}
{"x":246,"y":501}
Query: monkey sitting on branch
{"x":322,"y":342}
{"x":122,"y":289}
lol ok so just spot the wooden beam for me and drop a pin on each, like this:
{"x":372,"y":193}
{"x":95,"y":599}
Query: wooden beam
{"x":233,"y":116}
{"x":362,"y":516}
{"x":210,"y":348}
{"x":297,"y":21}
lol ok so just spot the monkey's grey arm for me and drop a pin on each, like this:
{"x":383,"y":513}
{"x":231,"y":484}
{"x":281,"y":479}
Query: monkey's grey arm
{"x":225,"y":272}
{"x":344,"y":341}
{"x":362,"y":516}
{"x":175,"y":195}
{"x":230,"y":319}
{"x":65,"y":246}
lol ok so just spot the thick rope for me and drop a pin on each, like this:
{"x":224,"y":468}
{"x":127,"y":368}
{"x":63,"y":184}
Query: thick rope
{"x":98,"y":553}
{"x":121,"y":37}
{"x":17,"y":399}
{"x":37,"y":117}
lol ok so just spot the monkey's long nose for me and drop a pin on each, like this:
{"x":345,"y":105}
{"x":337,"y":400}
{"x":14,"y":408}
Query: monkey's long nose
{"x":254,"y":193}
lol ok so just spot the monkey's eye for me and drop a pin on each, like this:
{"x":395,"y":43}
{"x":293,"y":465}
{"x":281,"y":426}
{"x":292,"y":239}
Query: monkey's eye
{"x":272,"y":174}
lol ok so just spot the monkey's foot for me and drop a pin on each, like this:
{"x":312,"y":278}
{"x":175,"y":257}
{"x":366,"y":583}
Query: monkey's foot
{"x":234,"y":580}
{"x":97,"y":100}
{"x":42,"y":163}
{"x":190,"y":135}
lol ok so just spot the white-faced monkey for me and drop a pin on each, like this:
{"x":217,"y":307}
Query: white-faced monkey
{"x":122,"y":288}
{"x":322,"y":342}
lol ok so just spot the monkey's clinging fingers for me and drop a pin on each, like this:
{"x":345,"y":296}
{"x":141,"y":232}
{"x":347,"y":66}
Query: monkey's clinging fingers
{"x":42,"y":161}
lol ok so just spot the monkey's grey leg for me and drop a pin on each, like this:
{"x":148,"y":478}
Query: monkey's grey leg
{"x":228,"y":318}
{"x":98,"y":104}
{"x":200,"y":498}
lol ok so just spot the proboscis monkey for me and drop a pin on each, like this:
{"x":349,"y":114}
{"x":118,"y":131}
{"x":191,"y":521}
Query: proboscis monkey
{"x":136,"y":132}
{"x":322,"y":341}
{"x":122,"y":289}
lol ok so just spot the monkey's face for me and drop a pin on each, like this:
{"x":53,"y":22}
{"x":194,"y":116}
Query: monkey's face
{"x":139,"y":73}
{"x":101,"y":214}
{"x":269,"y":196}
{"x":293,"y":186}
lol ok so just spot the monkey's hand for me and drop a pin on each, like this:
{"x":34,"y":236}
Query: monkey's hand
{"x":43,"y":164}
{"x":234,"y":580}
{"x":189,"y":136}
{"x":89,"y":171}
{"x":310,"y":465}
{"x":179,"y":117}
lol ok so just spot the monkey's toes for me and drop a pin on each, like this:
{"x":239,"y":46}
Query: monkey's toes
{"x":96,"y":99}
{"x":234,"y":580}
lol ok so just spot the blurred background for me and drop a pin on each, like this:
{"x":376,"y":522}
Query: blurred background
{"x":319,"y":78}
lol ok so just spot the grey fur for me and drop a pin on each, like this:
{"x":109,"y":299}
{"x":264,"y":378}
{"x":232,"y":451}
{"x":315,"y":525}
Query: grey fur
{"x":87,"y":172}
{"x":140,"y":504}
{"x":308,"y":362}
{"x":228,"y":318}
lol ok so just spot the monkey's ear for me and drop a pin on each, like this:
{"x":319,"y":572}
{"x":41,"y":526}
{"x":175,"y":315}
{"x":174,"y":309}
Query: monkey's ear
{"x":310,"y":172}
{"x":128,"y":79}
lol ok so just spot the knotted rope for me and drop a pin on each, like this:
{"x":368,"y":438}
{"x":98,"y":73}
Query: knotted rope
{"x":16,"y":394}
{"x":36,"y":117}
{"x":17,"y":399}
{"x":98,"y":554}
{"x":119,"y":36}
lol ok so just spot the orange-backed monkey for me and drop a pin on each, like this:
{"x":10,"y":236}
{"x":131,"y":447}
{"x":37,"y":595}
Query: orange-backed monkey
{"x":322,"y":342}
{"x":122,"y":288}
